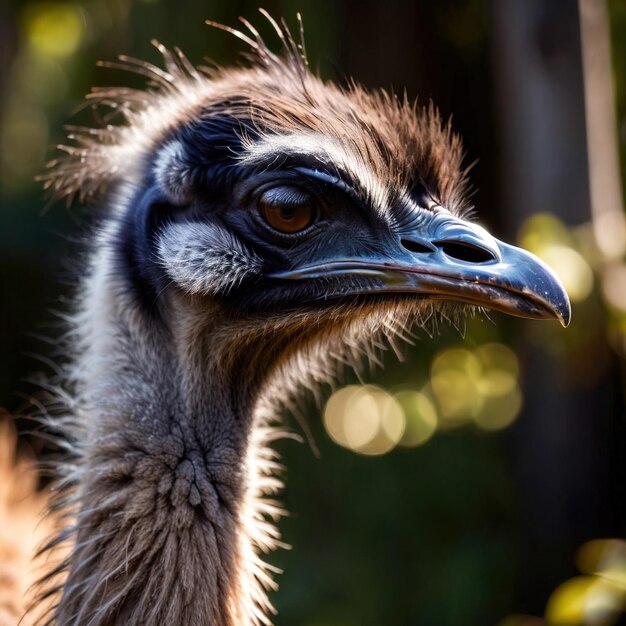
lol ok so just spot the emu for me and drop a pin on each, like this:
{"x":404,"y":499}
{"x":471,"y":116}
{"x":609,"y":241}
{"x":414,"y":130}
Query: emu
{"x":257,"y":226}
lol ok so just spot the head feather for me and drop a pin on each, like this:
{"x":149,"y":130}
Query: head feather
{"x":401,"y":146}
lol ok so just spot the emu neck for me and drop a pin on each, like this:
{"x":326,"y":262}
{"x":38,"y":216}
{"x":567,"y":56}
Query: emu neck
{"x":162,"y":478}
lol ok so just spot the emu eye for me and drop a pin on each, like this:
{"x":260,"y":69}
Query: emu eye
{"x":287,"y":209}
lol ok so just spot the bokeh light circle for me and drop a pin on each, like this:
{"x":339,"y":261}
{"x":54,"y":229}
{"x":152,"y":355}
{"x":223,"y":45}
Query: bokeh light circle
{"x":421,"y":417}
{"x":365,"y":419}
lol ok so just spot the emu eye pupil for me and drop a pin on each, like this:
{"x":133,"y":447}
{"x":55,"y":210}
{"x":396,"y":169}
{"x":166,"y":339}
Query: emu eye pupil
{"x":287,"y":213}
{"x":287,"y":217}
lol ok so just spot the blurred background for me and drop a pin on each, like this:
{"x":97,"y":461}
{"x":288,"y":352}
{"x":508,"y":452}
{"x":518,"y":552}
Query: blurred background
{"x":482,"y":481}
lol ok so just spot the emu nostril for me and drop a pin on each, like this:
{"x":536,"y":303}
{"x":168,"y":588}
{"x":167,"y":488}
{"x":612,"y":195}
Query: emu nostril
{"x":416,"y":246}
{"x":469,"y":253}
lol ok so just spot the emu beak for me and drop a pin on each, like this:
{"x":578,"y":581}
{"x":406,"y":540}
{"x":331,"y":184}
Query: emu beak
{"x":456,"y":261}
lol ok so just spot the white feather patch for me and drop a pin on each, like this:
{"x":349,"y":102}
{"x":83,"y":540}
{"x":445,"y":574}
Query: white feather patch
{"x":172,"y":173}
{"x":326,"y":150}
{"x":206,"y":259}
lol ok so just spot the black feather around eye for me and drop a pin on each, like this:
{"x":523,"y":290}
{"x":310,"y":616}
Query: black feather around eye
{"x":201,"y":157}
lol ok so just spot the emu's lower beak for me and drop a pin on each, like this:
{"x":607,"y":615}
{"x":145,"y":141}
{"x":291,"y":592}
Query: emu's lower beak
{"x":461,"y":262}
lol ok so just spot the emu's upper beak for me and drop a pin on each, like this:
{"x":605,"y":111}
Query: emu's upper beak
{"x":455,"y":260}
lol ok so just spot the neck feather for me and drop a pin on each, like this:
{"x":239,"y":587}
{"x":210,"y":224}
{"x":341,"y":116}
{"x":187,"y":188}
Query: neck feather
{"x":172,"y":464}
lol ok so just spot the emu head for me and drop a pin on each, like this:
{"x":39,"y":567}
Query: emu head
{"x":282,"y":202}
